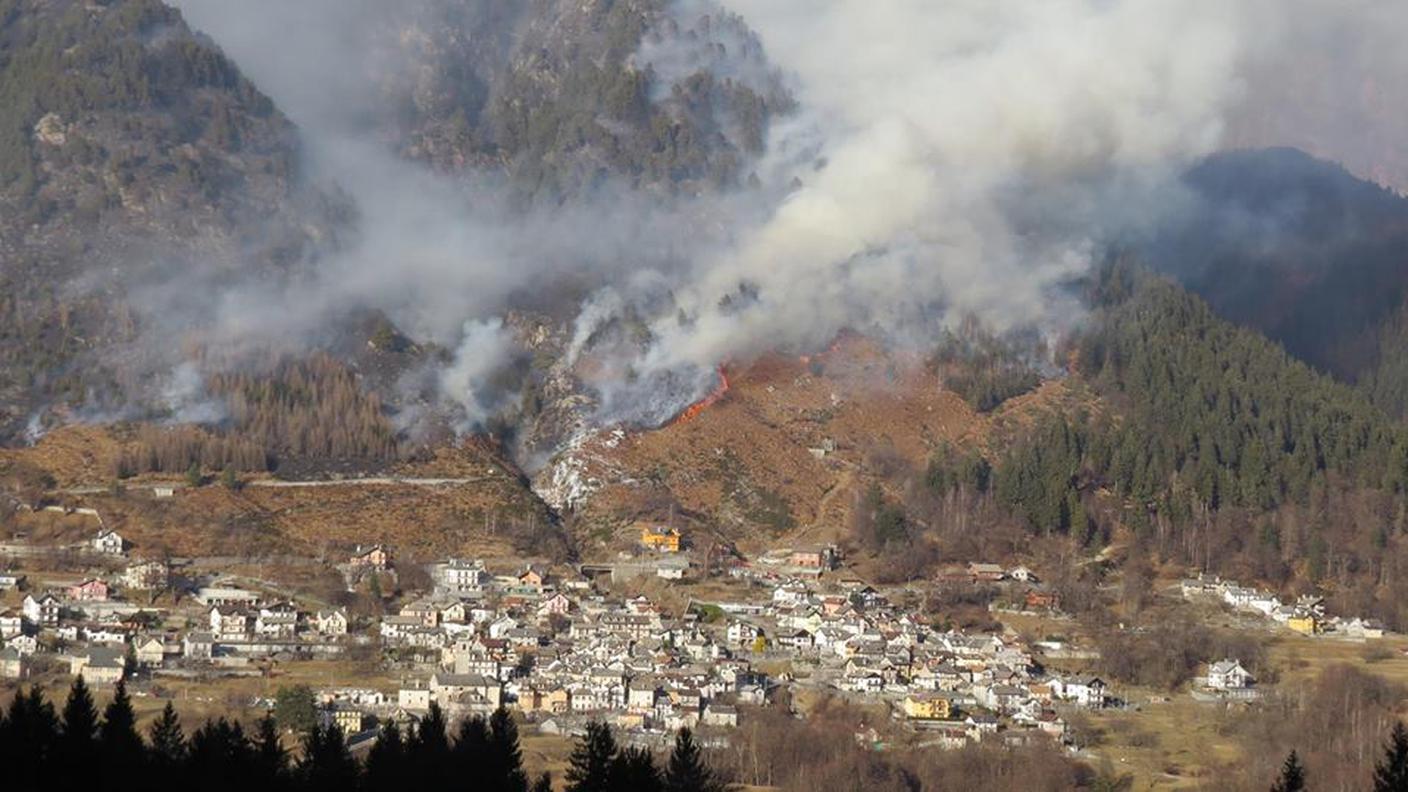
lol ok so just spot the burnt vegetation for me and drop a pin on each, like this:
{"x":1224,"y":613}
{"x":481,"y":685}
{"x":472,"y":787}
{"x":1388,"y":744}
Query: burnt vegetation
{"x":302,"y":412}
{"x":984,"y":368}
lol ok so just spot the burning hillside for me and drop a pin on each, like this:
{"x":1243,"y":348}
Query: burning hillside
{"x":692,"y":411}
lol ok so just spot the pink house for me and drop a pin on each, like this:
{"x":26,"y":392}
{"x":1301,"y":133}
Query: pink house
{"x":91,"y":590}
{"x":557,"y":603}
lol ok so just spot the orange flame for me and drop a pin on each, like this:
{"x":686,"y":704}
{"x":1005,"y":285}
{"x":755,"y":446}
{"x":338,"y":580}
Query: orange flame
{"x":692,"y":411}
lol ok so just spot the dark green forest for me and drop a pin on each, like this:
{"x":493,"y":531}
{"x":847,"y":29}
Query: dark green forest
{"x":75,"y":746}
{"x":1214,"y":447}
{"x":79,"y":60}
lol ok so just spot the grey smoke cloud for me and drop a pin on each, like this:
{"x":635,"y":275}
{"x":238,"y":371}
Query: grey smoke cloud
{"x":947,"y":158}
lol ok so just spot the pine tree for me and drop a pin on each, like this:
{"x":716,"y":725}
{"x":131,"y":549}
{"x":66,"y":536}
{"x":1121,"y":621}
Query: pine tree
{"x":326,"y":764}
{"x":1391,"y":775}
{"x":428,"y":751}
{"x":386,"y":761}
{"x":78,"y":744}
{"x":687,"y":771}
{"x":120,"y":746}
{"x":633,"y":770}
{"x":168,"y":743}
{"x":505,"y":757}
{"x":590,"y":762}
{"x":470,"y":753}
{"x":1292,"y":776}
{"x":544,"y":783}
{"x":31,"y":732}
{"x":272,"y":759}
{"x":219,"y":756}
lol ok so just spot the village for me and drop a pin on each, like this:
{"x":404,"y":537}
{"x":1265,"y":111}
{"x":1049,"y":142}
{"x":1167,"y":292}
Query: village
{"x":567,"y":645}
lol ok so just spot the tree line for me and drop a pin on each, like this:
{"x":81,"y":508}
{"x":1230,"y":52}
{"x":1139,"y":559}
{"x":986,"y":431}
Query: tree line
{"x":1390,"y":772}
{"x":299,"y":409}
{"x":1213,"y":447}
{"x":76,"y":747}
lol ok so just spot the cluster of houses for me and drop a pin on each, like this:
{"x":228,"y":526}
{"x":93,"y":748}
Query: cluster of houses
{"x":850,"y":638}
{"x":561,"y":652}
{"x":106,"y":628}
{"x":1306,"y":615}
{"x":564,"y":651}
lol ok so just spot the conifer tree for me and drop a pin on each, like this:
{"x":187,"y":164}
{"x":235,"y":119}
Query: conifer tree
{"x":505,"y":757}
{"x":1391,"y":774}
{"x":168,"y":743}
{"x":686,"y":771}
{"x":428,"y":752}
{"x":120,"y":746}
{"x":590,"y":762}
{"x":326,"y":765}
{"x":470,"y":753}
{"x":219,"y":757}
{"x":271,"y":758}
{"x":1292,"y":776}
{"x":544,"y":783}
{"x":633,"y":770}
{"x":78,"y":743}
{"x":28,"y":742}
{"x":386,"y":761}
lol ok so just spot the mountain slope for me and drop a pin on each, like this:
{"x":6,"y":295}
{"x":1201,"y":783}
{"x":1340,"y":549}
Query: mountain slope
{"x":1296,"y":248}
{"x":134,"y":148}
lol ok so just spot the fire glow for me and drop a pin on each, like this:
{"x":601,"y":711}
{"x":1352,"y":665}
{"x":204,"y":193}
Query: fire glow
{"x":692,"y":411}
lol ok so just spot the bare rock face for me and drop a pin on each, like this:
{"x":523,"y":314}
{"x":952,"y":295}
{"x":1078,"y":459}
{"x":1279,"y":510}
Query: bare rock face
{"x":50,"y":130}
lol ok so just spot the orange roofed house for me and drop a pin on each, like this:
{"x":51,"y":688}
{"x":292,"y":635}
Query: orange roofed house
{"x":377,"y":556}
{"x":657,"y":538}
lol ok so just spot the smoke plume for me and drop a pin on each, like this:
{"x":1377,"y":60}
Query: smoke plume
{"x":945,"y":159}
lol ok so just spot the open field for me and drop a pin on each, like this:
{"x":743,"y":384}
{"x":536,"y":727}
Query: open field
{"x":1176,"y":743}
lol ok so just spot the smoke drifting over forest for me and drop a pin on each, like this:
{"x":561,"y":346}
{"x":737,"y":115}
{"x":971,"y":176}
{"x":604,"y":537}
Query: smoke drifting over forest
{"x":943,"y":159}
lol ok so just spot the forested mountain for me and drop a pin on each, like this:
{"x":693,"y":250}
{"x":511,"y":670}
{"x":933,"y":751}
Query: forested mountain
{"x":573,"y":99}
{"x":1213,"y":447}
{"x":1302,"y":251}
{"x":130,"y":148}
{"x":141,"y":160}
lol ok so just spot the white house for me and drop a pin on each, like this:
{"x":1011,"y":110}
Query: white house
{"x":415,"y":698}
{"x":150,"y":652}
{"x":460,"y":577}
{"x":99,"y":665}
{"x":1087,"y":691}
{"x":1022,"y":574}
{"x":108,"y":542}
{"x":741,"y":633}
{"x":42,"y":611}
{"x":332,"y":622}
{"x":11,"y":624}
{"x":1228,"y":675}
{"x":226,"y":622}
{"x":145,"y":575}
{"x":277,"y":621}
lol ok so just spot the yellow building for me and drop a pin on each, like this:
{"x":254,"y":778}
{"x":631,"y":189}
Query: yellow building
{"x":1305,"y":625}
{"x":664,"y":539}
{"x":920,"y":706}
{"x":348,"y":719}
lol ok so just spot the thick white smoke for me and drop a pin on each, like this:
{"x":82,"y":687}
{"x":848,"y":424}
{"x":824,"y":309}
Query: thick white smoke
{"x":953,"y":137}
{"x":947,"y":158}
{"x":485,"y":349}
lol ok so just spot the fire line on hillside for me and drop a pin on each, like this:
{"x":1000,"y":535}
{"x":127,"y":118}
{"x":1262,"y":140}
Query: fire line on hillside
{"x":692,"y":411}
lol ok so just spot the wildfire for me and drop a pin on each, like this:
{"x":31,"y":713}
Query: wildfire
{"x":692,"y":411}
